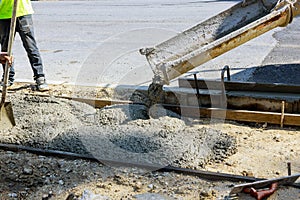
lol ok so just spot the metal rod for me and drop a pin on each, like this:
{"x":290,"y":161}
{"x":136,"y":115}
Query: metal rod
{"x":197,"y":89}
{"x":214,"y":176}
{"x":223,"y":95}
{"x":196,"y":84}
{"x":202,"y":174}
{"x":289,"y":168}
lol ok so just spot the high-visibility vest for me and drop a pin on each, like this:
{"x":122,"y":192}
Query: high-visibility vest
{"x":6,"y":6}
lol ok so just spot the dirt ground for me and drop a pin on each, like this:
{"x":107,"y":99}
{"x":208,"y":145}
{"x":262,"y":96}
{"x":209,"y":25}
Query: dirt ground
{"x":258,"y":150}
{"x":29,"y":176}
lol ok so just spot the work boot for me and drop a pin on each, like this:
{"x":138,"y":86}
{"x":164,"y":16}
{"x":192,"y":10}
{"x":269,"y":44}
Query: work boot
{"x":9,"y":83}
{"x":41,"y":84}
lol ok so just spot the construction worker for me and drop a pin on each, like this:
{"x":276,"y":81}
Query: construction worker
{"x":24,"y":27}
{"x":4,"y":57}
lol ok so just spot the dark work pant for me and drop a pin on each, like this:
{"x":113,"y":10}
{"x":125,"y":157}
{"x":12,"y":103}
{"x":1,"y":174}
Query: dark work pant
{"x":24,"y":27}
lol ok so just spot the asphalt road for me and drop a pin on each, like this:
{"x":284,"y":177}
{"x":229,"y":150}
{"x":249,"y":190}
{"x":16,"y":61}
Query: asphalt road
{"x":97,"y":42}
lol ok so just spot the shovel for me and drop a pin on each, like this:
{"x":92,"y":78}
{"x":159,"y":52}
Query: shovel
{"x":7,"y":119}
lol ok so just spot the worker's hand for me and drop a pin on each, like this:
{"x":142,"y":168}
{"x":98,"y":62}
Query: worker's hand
{"x":4,"y":57}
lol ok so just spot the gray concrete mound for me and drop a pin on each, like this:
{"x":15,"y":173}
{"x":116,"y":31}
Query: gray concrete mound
{"x":119,"y":133}
{"x":41,"y":119}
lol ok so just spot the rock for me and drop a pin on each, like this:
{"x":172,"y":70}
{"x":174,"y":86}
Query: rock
{"x":205,"y":193}
{"x":138,"y":186}
{"x":13,"y":195}
{"x":61,"y":182}
{"x":103,"y":185}
{"x":71,"y":196}
{"x":120,"y":180}
{"x":214,"y":193}
{"x":27,"y":170}
{"x":23,"y":194}
{"x":277,"y":138}
{"x":229,"y":163}
{"x":247,"y":173}
{"x":45,"y":197}
{"x":180,"y":190}
{"x":265,"y":125}
{"x":150,"y":186}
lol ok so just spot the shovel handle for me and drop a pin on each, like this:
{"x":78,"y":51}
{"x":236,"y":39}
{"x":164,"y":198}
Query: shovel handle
{"x":9,"y":49}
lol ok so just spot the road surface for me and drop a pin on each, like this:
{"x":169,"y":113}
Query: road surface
{"x":97,"y":42}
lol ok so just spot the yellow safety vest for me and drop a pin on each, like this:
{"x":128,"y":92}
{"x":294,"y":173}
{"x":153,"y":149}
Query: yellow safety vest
{"x":6,"y":6}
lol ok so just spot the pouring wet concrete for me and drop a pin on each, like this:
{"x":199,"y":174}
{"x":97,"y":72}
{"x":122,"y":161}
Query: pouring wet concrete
{"x":120,"y":132}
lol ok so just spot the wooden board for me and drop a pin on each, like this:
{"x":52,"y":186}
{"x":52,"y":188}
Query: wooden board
{"x":236,"y":115}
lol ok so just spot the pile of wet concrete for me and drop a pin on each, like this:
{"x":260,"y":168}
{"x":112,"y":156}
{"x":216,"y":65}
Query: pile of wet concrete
{"x":123,"y":133}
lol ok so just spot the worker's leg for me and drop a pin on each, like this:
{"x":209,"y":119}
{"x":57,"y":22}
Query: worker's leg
{"x":25,"y":29}
{"x":4,"y":37}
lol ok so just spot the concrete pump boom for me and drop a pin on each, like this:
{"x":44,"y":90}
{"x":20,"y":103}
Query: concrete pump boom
{"x":217,"y":35}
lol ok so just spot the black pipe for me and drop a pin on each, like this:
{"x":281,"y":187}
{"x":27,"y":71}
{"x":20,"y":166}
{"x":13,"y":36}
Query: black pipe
{"x":214,"y":176}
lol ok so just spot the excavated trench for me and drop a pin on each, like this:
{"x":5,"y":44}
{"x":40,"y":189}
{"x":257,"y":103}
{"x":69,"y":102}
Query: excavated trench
{"x":119,"y":132}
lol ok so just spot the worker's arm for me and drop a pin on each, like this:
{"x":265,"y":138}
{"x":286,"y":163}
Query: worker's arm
{"x":4,"y":57}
